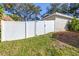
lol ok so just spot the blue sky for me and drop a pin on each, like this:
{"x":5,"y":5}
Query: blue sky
{"x":43,"y":7}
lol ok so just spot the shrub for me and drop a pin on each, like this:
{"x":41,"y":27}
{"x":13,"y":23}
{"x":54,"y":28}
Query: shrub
{"x":77,"y":27}
{"x":73,"y":25}
{"x":1,"y":11}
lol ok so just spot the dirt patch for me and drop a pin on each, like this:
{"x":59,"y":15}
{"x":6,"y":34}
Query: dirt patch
{"x":71,"y":38}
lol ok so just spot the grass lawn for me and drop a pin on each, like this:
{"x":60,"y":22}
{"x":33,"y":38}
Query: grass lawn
{"x":44,"y":45}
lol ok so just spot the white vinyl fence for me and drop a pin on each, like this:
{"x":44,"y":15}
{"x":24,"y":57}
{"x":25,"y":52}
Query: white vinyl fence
{"x":14,"y":30}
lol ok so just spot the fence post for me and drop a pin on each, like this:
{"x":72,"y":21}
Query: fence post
{"x":35,"y":28}
{"x":25,"y":29}
{"x":44,"y":27}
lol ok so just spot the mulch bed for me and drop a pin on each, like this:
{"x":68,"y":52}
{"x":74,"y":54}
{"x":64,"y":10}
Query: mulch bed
{"x":71,"y":38}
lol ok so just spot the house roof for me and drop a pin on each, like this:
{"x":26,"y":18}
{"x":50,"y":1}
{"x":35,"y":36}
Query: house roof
{"x":62,"y":15}
{"x":6,"y":18}
{"x":58,"y":14}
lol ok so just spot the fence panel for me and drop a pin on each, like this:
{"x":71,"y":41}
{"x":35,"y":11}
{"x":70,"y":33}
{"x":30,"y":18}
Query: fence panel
{"x":49,"y":26}
{"x":30,"y":29}
{"x":12,"y":30}
{"x":39,"y":27}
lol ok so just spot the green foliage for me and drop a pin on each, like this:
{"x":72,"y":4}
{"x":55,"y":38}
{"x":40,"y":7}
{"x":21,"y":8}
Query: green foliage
{"x":15,"y":17}
{"x":53,"y":8}
{"x":1,"y":11}
{"x":73,"y":25}
{"x":66,"y":8}
{"x":77,"y":27}
{"x":73,"y":9}
{"x":25,"y":10}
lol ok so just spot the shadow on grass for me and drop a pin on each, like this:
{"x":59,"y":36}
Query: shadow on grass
{"x":71,"y":38}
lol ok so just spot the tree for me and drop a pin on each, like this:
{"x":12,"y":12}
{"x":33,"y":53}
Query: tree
{"x":53,"y":8}
{"x":25,"y":10}
{"x":66,"y":8}
{"x":63,"y":8}
{"x":15,"y":17}
{"x":1,"y":11}
{"x":73,"y":9}
{"x":58,"y":7}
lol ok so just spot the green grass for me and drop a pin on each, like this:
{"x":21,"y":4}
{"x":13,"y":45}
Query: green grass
{"x":44,"y":45}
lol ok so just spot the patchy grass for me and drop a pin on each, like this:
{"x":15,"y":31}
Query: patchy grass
{"x":43,"y":45}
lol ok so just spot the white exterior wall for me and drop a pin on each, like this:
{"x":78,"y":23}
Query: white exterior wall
{"x":60,"y":24}
{"x":15,"y":30}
